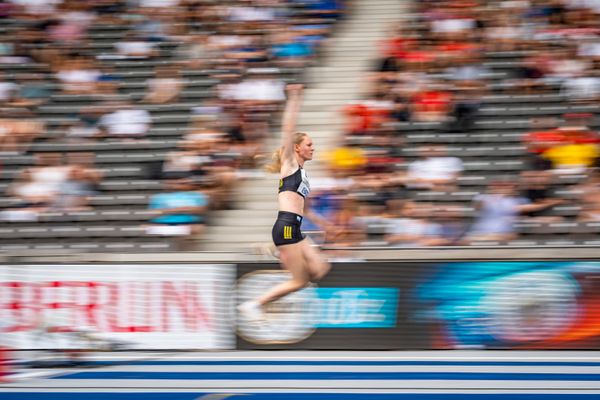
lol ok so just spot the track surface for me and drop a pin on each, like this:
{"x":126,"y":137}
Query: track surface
{"x":316,"y":375}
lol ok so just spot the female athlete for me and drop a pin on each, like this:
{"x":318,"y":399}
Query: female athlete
{"x":297,"y":255}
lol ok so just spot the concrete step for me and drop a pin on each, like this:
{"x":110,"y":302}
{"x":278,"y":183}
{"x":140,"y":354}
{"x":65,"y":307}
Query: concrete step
{"x":260,"y":206}
{"x":339,"y":90}
{"x":333,"y":72}
{"x":244,"y":222}
{"x":257,"y":197}
{"x":240,"y":238}
{"x":226,"y":247}
{"x":319,"y":122}
{"x":310,"y":126}
{"x":348,"y":56}
{"x":318,"y":114}
{"x":203,"y":246}
{"x":334,"y":80}
{"x":330,"y":105}
{"x":241,"y":214}
{"x":340,"y":68}
{"x":353,"y":45}
{"x":340,"y":98}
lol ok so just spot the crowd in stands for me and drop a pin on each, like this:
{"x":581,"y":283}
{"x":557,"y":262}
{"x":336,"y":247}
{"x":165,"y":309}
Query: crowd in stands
{"x":246,"y":49}
{"x":437,"y":75}
{"x":434,"y":77}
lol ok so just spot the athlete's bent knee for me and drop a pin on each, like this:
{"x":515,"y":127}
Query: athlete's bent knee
{"x":320,"y":271}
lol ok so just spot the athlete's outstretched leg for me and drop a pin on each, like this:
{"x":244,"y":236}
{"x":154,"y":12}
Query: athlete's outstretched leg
{"x":292,"y":259}
{"x":315,"y":262}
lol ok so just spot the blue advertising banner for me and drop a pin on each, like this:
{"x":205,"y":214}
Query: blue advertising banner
{"x":515,"y":304}
{"x":353,"y":307}
{"x":357,"y":306}
{"x":437,"y":305}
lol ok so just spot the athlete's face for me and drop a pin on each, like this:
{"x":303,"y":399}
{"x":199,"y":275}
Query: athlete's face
{"x":306,"y":148}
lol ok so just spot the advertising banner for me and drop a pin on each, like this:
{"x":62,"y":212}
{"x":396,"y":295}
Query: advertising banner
{"x":132,"y":306}
{"x":357,"y":306}
{"x":510,"y":305}
{"x":430,"y":305}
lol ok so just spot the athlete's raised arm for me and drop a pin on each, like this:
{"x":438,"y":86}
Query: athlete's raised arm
{"x":290,"y":116}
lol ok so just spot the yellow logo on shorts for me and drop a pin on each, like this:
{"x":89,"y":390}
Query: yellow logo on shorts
{"x":287,"y":232}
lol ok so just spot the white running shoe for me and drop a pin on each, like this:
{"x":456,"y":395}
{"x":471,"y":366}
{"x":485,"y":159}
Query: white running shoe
{"x":251,"y":311}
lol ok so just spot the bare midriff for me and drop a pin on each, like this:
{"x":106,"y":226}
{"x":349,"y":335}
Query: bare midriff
{"x":291,"y":202}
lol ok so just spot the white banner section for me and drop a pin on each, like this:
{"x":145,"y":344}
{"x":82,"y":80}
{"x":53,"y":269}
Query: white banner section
{"x":116,"y":306}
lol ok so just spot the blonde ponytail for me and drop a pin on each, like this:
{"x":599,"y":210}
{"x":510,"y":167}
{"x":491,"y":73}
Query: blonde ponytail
{"x":275,"y":165}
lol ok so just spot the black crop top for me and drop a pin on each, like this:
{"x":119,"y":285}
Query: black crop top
{"x":296,"y":182}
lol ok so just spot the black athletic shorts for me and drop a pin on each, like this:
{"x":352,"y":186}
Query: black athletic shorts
{"x":287,"y":229}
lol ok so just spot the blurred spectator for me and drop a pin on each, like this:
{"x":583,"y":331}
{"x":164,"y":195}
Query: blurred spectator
{"x":590,"y":198}
{"x":347,"y":158}
{"x":327,"y":196}
{"x":582,"y":89}
{"x":261,"y":85}
{"x":125,"y":121}
{"x":78,"y":75}
{"x":194,"y":52}
{"x":135,"y":47}
{"x":165,"y":87}
{"x":451,"y":222}
{"x":577,"y":148}
{"x":289,"y":50}
{"x":158,"y":4}
{"x":205,"y":124}
{"x":18,"y":131}
{"x":247,"y":13}
{"x":9,"y":140}
{"x":38,"y":7}
{"x":368,"y":115}
{"x":529,"y":76}
{"x":37,"y":187}
{"x":466,"y":104}
{"x":34,"y":90}
{"x":409,"y":225}
{"x":71,"y":26}
{"x":565,"y":66}
{"x":344,"y":228}
{"x":109,"y":11}
{"x":108,"y":82}
{"x":434,"y":170}
{"x":544,"y":136}
{"x":252,"y":53}
{"x":324,"y":8}
{"x":82,"y":181}
{"x":8,"y":89}
{"x":536,"y":188}
{"x":6,"y":8}
{"x":313,"y":35}
{"x":151,"y":26}
{"x":220,"y":177}
{"x":9,"y":50}
{"x":181,"y":210}
{"x":87,"y":126}
{"x":498,"y":210}
{"x":432,"y":104}
{"x":184,"y":163}
{"x":504,"y":34}
{"x":467,"y":71}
